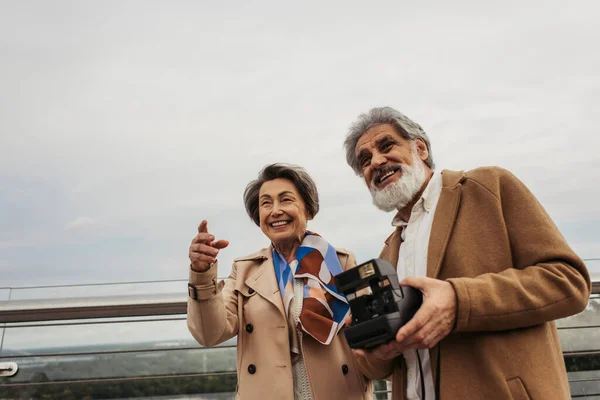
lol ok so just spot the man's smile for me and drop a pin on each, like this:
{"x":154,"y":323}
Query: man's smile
{"x":385,"y":175}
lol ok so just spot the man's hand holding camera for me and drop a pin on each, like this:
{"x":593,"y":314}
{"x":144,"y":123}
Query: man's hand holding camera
{"x":432,"y":322}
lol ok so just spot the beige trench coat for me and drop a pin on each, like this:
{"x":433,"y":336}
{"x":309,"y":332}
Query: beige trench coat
{"x":248,"y":304}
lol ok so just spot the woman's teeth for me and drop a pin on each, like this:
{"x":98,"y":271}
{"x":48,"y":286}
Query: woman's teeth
{"x":279,"y":223}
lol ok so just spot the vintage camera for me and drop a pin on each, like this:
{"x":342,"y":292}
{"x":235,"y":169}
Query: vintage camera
{"x":379,"y":304}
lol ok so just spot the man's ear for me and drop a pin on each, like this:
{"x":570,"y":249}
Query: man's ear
{"x":422,"y":151}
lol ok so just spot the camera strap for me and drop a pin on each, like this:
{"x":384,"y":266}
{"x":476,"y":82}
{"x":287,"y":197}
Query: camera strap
{"x":421,"y":374}
{"x":437,"y":373}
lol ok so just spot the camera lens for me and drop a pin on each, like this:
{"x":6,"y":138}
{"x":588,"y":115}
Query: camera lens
{"x":387,"y":297}
{"x":373,"y":306}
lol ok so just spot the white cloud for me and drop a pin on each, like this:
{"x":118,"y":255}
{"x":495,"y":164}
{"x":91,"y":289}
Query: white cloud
{"x":11,"y":244}
{"x":80,"y":224}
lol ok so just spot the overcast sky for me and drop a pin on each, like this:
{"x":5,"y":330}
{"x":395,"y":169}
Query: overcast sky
{"x":124,"y":123}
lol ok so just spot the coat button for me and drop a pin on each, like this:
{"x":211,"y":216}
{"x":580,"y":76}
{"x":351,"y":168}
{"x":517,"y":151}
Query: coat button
{"x":250,"y":291}
{"x":251,"y":368}
{"x":249,"y":328}
{"x":344,"y":369}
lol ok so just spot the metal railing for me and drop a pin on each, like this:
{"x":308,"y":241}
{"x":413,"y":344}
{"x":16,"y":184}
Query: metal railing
{"x":24,"y":314}
{"x":13,"y":311}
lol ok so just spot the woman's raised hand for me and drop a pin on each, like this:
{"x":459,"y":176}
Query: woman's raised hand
{"x":204,"y":249}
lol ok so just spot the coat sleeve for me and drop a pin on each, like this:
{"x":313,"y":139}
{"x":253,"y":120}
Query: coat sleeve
{"x":212,"y":318}
{"x":369,"y":366}
{"x":546,"y":280}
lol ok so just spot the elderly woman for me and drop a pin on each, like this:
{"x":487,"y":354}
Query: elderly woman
{"x":281,"y":301}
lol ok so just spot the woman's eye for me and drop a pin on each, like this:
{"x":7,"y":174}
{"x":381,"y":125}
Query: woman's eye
{"x":286,"y":200}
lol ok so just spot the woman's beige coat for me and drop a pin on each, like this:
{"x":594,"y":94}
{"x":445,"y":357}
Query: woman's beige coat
{"x":248,"y":304}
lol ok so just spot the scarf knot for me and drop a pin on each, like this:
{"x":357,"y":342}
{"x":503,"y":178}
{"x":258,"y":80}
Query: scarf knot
{"x":323,"y":308}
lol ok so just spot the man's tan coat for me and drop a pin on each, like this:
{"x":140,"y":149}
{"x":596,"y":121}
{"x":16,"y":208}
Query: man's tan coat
{"x":513,"y":274}
{"x":250,"y":297}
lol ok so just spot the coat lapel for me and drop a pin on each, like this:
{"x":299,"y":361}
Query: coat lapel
{"x":263,"y":280}
{"x":392,"y":247}
{"x":443,"y":220}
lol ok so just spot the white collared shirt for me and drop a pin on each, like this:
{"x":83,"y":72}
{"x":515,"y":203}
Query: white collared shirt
{"x":412,"y":261}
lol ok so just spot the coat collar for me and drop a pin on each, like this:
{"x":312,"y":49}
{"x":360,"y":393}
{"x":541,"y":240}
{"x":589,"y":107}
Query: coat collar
{"x":259,"y":275}
{"x":443,"y":222}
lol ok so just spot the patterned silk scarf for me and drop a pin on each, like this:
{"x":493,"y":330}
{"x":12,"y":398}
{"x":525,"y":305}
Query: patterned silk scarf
{"x":323,"y":308}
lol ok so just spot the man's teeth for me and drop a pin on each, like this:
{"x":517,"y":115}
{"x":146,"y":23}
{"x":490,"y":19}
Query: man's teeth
{"x":279,"y":223}
{"x":390,"y":173}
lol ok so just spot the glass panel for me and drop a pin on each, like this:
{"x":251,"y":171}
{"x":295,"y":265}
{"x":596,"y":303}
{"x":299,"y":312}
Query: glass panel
{"x":584,"y":339}
{"x":593,"y":266}
{"x":581,"y":332}
{"x":124,"y":365}
{"x":583,"y":362}
{"x":94,"y":290}
{"x":142,"y":333}
{"x":588,"y":317}
{"x":585,"y":384}
{"x":112,"y":289}
{"x":84,"y":321}
{"x":380,"y":390}
{"x":2,"y":332}
{"x":197,"y":387}
{"x":4,"y":294}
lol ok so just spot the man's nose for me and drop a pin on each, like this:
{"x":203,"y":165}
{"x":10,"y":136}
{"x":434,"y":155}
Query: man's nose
{"x":377,"y":160}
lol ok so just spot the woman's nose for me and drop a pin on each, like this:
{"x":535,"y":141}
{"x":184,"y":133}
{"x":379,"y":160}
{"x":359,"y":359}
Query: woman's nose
{"x":276,"y":210}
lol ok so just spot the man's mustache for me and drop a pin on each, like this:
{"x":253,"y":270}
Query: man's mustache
{"x":381,"y":171}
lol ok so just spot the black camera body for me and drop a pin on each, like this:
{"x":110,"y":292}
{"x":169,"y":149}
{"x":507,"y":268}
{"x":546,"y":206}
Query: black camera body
{"x":379,"y":304}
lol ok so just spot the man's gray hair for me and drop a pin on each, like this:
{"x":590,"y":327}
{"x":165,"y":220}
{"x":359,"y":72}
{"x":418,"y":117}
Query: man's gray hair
{"x":403,"y":125}
{"x":297,"y":175}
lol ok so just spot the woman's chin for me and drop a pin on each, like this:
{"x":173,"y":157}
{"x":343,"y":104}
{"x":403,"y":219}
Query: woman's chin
{"x":282,"y":239}
{"x":285,"y":239}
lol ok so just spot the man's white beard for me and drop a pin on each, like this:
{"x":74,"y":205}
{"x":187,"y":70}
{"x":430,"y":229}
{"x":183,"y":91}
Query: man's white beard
{"x":398,"y":194}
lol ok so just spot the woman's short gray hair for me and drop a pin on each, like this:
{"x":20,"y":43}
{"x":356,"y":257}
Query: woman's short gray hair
{"x":405,"y":127}
{"x":297,"y":175}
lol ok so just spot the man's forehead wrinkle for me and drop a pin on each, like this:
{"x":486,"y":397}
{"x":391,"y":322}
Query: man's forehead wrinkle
{"x":378,"y":138}
{"x":363,"y":139}
{"x":374,"y":136}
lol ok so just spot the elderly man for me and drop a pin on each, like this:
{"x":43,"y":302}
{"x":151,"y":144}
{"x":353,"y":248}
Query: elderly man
{"x":493,"y":268}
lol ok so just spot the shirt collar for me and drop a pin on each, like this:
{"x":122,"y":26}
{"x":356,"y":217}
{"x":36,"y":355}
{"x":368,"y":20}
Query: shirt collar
{"x":427,"y":200}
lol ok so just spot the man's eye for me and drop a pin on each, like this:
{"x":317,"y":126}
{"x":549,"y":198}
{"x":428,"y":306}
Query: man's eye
{"x":364,"y":161}
{"x":387,"y":146}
